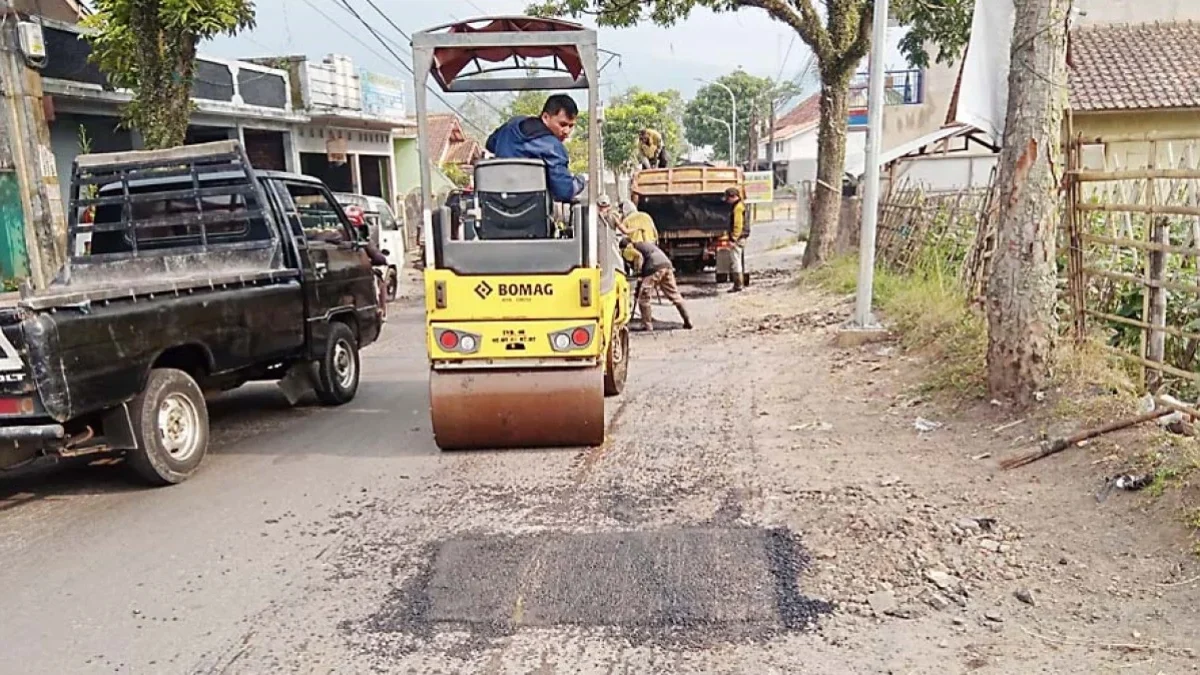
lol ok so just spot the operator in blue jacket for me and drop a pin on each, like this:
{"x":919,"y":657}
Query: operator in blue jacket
{"x":542,"y":138}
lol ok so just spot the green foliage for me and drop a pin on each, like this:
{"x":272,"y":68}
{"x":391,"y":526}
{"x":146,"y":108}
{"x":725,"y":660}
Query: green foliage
{"x":926,"y":308}
{"x":944,"y":24}
{"x":149,"y":46}
{"x":526,"y":104}
{"x":755,"y":95}
{"x":633,"y":111}
{"x":455,"y":174}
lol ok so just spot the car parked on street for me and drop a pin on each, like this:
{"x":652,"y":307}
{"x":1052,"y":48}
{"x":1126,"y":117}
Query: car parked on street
{"x":376,"y":221}
{"x":191,"y":273}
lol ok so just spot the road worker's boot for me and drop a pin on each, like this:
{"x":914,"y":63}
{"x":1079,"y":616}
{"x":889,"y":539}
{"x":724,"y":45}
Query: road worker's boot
{"x":683,"y":314}
{"x":647,"y":319}
{"x":738,"y":284}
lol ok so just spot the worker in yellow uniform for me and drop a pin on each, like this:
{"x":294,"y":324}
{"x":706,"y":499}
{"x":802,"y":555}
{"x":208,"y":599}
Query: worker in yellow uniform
{"x":637,"y":225}
{"x":737,"y":238}
{"x":652,"y":152}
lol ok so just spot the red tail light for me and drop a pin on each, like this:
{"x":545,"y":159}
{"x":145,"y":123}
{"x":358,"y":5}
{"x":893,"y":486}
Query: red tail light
{"x":580,"y":336}
{"x":448,"y":339}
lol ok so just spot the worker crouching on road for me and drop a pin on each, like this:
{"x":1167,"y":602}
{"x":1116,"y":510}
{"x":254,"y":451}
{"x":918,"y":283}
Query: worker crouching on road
{"x":654,"y":271}
{"x":652,"y":152}
{"x":737,"y":237}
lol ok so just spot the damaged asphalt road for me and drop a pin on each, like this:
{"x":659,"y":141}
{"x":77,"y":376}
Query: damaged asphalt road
{"x":755,"y":510}
{"x":333,"y":540}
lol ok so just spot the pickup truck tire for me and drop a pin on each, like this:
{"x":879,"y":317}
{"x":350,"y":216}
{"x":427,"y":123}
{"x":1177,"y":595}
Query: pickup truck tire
{"x":170,"y":424}
{"x":338,"y":371}
{"x":393,"y":283}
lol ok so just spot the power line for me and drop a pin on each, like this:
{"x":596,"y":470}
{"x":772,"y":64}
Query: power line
{"x":408,"y":37}
{"x":396,"y":56}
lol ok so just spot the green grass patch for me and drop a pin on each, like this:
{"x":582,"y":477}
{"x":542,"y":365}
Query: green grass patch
{"x":927,"y":309}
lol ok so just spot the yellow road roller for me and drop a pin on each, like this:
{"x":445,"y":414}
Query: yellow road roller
{"x":527,"y":307}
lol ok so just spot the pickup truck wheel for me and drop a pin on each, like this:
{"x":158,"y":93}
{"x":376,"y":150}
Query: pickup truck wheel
{"x":338,"y":371}
{"x":616,"y":367}
{"x":393,"y":284}
{"x":171,"y":428}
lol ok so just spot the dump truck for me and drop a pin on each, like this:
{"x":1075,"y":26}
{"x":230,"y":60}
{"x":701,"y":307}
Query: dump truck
{"x":688,"y":206}
{"x":526,"y":305}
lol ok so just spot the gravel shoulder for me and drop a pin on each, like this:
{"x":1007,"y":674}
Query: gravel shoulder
{"x":752,"y":451}
{"x":764,"y":504}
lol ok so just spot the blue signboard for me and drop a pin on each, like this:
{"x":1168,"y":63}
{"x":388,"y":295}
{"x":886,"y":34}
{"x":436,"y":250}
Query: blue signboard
{"x":382,"y":96}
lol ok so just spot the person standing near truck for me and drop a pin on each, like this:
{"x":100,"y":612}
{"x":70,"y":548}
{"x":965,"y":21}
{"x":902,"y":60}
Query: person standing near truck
{"x":654,"y":271}
{"x":737,"y":237}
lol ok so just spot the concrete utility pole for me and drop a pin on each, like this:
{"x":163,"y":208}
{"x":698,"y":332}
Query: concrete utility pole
{"x":36,"y":247}
{"x":870,"y":204}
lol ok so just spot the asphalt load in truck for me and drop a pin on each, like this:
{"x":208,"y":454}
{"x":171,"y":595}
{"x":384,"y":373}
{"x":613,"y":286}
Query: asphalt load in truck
{"x":687,"y":212}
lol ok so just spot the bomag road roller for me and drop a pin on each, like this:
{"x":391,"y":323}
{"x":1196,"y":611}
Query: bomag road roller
{"x":526,"y":304}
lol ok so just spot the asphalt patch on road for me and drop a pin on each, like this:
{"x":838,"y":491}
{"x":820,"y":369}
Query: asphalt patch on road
{"x":682,"y":585}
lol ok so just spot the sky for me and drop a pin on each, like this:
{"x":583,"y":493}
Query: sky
{"x":704,"y":46}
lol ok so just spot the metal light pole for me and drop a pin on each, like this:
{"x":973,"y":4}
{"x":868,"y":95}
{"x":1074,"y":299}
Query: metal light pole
{"x":870,"y":205}
{"x":733,"y":123}
{"x":728,"y":127}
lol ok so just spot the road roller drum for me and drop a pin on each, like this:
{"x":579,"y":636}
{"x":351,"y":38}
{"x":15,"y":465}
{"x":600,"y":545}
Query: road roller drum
{"x":500,"y":409}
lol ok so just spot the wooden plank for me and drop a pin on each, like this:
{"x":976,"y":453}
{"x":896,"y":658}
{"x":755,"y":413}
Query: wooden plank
{"x":1169,"y":369}
{"x":1190,"y":251}
{"x":1150,"y":209}
{"x":1169,"y":330}
{"x":1135,"y":174}
{"x":1118,"y":276}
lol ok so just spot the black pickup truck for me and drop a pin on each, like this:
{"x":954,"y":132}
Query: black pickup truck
{"x":190,"y":273}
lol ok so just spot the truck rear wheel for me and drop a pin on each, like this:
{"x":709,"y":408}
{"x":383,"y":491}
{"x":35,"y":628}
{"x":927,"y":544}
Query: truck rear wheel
{"x":170,"y":425}
{"x":616,"y":367}
{"x":338,"y":371}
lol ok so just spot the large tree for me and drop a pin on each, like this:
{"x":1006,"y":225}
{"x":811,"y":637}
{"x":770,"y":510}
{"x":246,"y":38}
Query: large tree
{"x":1021,"y":290}
{"x":633,"y":111}
{"x":754,"y":95}
{"x":149,"y":47}
{"x":839,"y":40}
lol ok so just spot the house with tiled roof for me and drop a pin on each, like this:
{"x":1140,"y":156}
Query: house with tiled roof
{"x":449,"y":144}
{"x":795,"y":140}
{"x":1130,"y":79}
{"x":1134,"y":69}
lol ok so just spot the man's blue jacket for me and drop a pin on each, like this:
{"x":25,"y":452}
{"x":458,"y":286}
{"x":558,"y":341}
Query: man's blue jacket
{"x":529,"y":138}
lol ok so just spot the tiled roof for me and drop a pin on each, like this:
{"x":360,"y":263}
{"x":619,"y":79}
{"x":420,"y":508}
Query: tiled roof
{"x":1136,"y":66}
{"x":449,"y":142}
{"x":438,"y":137}
{"x":803,"y":116}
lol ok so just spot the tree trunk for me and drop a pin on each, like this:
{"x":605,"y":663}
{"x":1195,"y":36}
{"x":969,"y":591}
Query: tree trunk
{"x":1021,"y":291}
{"x":831,"y":165}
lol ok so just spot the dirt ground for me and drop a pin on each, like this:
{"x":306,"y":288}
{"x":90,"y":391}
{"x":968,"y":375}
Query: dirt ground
{"x":765,"y":503}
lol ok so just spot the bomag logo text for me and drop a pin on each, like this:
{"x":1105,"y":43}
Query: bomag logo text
{"x":525,"y":290}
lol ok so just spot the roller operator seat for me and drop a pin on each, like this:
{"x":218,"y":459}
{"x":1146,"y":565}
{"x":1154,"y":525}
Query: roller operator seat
{"x":514,"y":199}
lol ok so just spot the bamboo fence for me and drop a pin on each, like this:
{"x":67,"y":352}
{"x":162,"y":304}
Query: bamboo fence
{"x":1133,"y":250}
{"x":918,"y":225}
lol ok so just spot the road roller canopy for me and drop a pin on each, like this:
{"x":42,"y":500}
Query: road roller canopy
{"x":520,"y":229}
{"x":484,"y":54}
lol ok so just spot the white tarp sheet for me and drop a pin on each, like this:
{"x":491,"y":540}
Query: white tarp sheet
{"x":983,"y":96}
